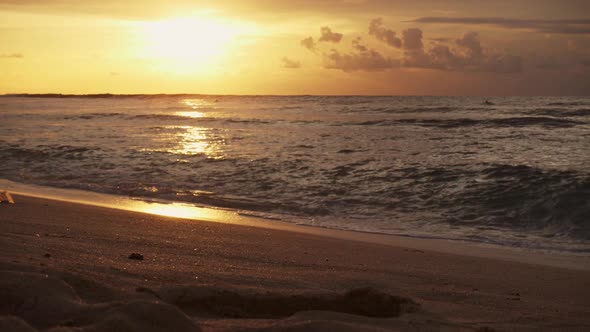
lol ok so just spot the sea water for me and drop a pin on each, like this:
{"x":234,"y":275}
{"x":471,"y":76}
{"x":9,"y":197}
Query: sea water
{"x":506,"y":170}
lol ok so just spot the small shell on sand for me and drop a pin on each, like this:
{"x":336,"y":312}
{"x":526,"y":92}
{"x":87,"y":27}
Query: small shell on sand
{"x":5,"y":197}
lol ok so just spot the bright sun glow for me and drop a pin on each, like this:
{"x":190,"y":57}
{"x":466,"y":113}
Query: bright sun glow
{"x":185,"y":44}
{"x":178,"y":210}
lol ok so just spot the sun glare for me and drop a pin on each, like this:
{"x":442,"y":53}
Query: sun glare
{"x":186,"y":44}
{"x":177,"y":210}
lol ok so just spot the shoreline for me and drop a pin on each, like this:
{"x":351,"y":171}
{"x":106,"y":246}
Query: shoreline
{"x":562,"y":259}
{"x":73,"y":262}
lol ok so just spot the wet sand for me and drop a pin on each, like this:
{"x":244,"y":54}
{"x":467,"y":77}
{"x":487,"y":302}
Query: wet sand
{"x":67,"y":266}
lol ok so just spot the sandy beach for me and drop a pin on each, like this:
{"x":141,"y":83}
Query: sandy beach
{"x":69,"y":267}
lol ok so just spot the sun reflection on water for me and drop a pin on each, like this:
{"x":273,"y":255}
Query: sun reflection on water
{"x":194,"y":104}
{"x":193,"y":114}
{"x":192,"y":140}
{"x":177,"y":210}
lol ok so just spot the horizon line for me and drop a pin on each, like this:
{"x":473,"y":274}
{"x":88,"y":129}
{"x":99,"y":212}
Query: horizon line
{"x":131,"y":95}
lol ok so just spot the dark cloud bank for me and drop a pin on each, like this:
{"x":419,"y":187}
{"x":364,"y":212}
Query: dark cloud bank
{"x":570,"y":26}
{"x":361,"y":58}
{"x":462,"y":54}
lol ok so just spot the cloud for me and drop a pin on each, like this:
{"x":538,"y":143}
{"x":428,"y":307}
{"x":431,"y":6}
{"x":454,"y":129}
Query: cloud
{"x":11,"y":56}
{"x":462,"y":54}
{"x":564,"y":26}
{"x":467,"y":55}
{"x":361,"y":58}
{"x":356,"y":44}
{"x":412,"y":39}
{"x":438,"y":57}
{"x":383,"y":34}
{"x":291,"y":64}
{"x":309,"y":44}
{"x":329,"y":36}
{"x":470,"y":41}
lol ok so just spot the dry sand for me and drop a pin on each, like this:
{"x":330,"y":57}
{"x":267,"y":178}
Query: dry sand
{"x":66,"y":267}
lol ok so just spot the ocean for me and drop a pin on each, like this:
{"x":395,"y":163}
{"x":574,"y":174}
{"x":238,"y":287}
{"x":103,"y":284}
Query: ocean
{"x":511,"y":171}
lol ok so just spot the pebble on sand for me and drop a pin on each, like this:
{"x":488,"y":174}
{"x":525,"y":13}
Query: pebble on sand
{"x":136,"y":256}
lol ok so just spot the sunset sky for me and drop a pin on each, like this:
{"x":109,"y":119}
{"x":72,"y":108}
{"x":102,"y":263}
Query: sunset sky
{"x":373,"y":47}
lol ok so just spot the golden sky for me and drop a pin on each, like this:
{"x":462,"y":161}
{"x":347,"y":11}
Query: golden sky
{"x":373,"y":47}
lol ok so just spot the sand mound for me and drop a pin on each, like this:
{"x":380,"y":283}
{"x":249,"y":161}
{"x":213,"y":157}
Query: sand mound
{"x":250,"y":304}
{"x":50,"y":301}
{"x":39,"y":299}
{"x":45,"y":302}
{"x":133,"y":316}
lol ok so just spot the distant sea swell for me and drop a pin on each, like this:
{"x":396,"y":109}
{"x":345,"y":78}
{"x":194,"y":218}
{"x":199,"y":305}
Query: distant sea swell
{"x":510,"y":173}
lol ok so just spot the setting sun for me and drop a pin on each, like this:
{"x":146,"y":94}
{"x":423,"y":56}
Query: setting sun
{"x":187,"y":44}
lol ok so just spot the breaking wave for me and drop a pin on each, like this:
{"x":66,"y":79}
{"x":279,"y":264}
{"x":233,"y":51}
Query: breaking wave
{"x":515,"y":173}
{"x":547,"y":122}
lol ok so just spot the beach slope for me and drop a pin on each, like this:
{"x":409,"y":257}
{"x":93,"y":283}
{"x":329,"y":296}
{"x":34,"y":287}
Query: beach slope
{"x":73,"y":267}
